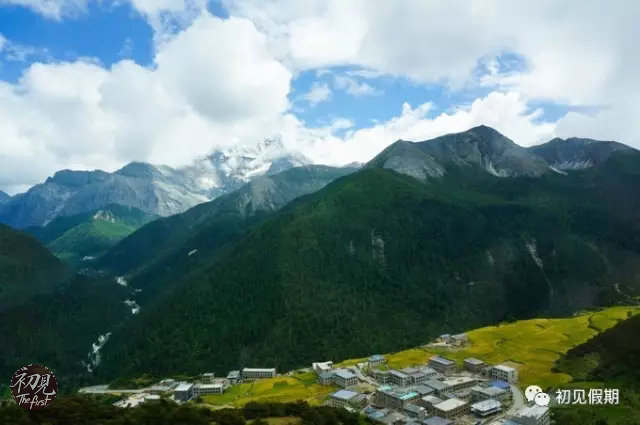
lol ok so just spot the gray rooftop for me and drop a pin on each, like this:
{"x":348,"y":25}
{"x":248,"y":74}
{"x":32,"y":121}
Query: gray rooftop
{"x":452,"y":403}
{"x":398,"y":374}
{"x":436,"y":385}
{"x":442,"y":360}
{"x":259,"y":369}
{"x":490,"y":391}
{"x":414,"y":408}
{"x":486,"y":405}
{"x":184,"y":386}
{"x":532,"y":411}
{"x":422,"y":389}
{"x":344,"y":395}
{"x":474,"y":361}
{"x":344,"y":374}
{"x":431,"y":399}
{"x":437,"y":420}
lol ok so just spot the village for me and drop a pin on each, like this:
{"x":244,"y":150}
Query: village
{"x":440,"y":392}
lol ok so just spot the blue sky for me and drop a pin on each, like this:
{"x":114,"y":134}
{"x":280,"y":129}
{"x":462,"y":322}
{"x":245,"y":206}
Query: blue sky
{"x":166,"y":81}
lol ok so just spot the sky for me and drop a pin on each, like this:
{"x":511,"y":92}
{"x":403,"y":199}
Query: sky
{"x":95,"y":84}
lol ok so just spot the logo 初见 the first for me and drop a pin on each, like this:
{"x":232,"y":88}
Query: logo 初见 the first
{"x":34,"y":387}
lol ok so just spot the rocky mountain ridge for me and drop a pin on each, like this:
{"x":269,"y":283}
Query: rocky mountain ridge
{"x":159,"y":190}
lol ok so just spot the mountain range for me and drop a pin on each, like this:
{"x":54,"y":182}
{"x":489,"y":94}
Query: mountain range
{"x":458,"y":232}
{"x":155,"y":190}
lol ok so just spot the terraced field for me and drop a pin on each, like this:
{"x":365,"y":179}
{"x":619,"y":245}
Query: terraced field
{"x":533,"y":346}
{"x":302,"y":386}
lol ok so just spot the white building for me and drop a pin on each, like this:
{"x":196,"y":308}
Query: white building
{"x":486,"y":408}
{"x":474,"y":365}
{"x":395,"y":399}
{"x":207,"y":378}
{"x":456,"y":384}
{"x":504,"y":373}
{"x":322,"y":366}
{"x":341,"y":398}
{"x":345,"y":378}
{"x":183,"y":392}
{"x":399,"y":378}
{"x":414,"y":411}
{"x":459,"y":339}
{"x":376,"y":359}
{"x":479,"y":393}
{"x":233,"y":377}
{"x":451,"y":408}
{"x":534,"y":415}
{"x":442,"y":365}
{"x":429,"y":401}
{"x":251,"y":374}
{"x":213,"y":388}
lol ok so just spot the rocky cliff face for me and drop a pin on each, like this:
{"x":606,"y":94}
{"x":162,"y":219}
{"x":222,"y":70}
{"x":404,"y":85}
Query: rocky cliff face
{"x":481,"y":148}
{"x":576,"y":153}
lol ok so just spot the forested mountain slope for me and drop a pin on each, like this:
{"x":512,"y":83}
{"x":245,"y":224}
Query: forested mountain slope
{"x":377,"y":261}
{"x":26,"y":267}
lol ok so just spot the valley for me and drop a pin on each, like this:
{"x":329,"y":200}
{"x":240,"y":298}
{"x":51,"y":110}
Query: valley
{"x":466,"y":231}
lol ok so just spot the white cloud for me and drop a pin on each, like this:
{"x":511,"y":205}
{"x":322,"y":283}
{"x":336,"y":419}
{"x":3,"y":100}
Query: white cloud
{"x":216,"y":82}
{"x":212,"y":84}
{"x":506,"y":112}
{"x":354,"y":87}
{"x":577,"y":52}
{"x":52,"y":9}
{"x":319,"y":92}
{"x":127,"y":48}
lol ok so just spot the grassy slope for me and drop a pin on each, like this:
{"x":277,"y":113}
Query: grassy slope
{"x":90,"y":238}
{"x":73,"y":237}
{"x":283,"y":389}
{"x":533,"y":346}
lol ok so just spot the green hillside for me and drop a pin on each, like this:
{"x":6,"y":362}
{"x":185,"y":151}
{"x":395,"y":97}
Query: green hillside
{"x":159,"y":254}
{"x":377,"y":261}
{"x":26,"y":267}
{"x":58,"y":328}
{"x":608,"y":360}
{"x":89,"y":235}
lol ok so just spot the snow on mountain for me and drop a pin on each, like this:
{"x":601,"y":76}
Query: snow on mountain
{"x":155,"y":189}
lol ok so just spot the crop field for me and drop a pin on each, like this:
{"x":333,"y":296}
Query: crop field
{"x":280,"y":389}
{"x":533,"y":346}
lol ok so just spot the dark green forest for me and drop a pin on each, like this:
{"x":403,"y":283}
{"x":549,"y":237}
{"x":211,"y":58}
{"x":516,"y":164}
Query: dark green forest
{"x":26,"y":268}
{"x":379,"y":261}
{"x":374,"y":262}
{"x":610,"y":359}
{"x":77,"y":410}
